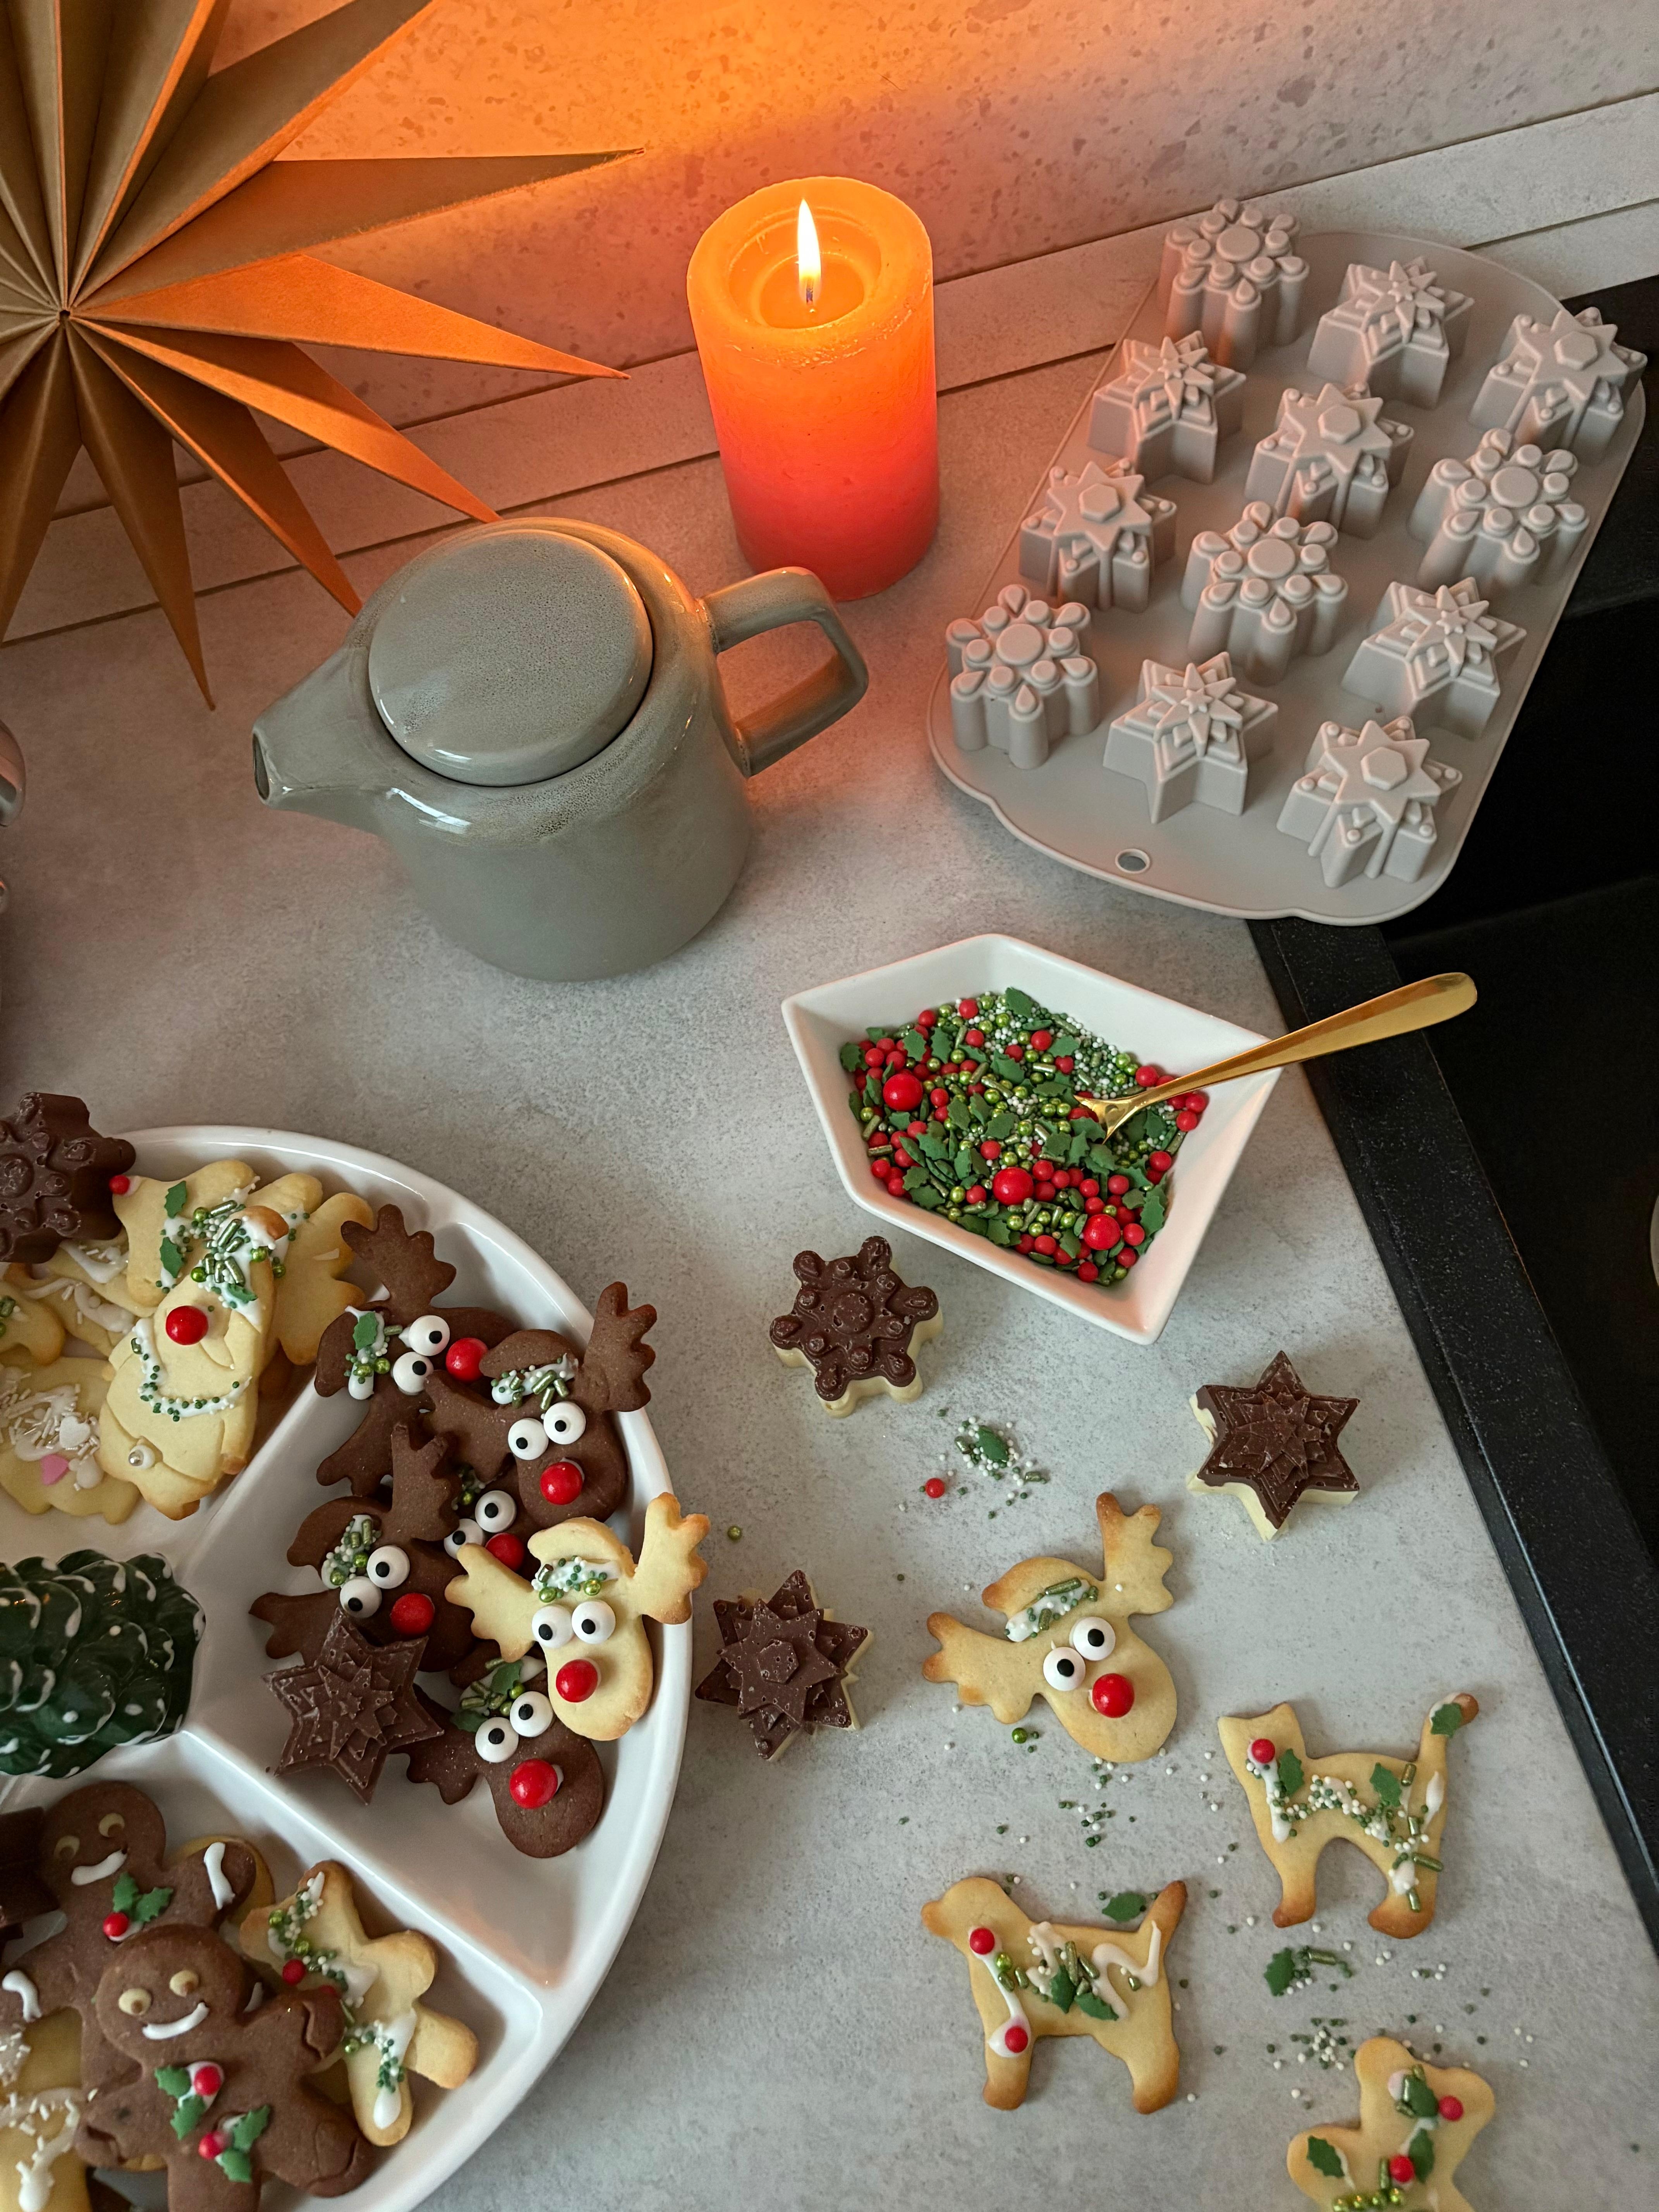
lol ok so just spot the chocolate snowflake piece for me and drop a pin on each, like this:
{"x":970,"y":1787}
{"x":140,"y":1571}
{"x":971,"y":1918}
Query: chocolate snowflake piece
{"x":1331,"y":457}
{"x":1235,"y":275}
{"x":355,"y":1704}
{"x":1191,"y":736}
{"x":1096,"y":536}
{"x":1272,"y":1444}
{"x":1366,"y":804}
{"x":1560,"y":383}
{"x":1019,"y":678}
{"x":1433,"y":655}
{"x":54,"y":1177}
{"x":1396,"y":330}
{"x":1167,"y":408}
{"x":785,"y":1665}
{"x":1263,"y":592}
{"x":854,"y":1324}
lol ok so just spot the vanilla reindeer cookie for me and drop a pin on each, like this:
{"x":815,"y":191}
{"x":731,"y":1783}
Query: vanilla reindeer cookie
{"x":96,"y":1310}
{"x":30,"y":1331}
{"x":1394,"y":1808}
{"x":310,"y":1293}
{"x":1416,"y":2124}
{"x":1068,"y":1639}
{"x":317,"y":1936}
{"x":51,"y":1422}
{"x":585,"y":1605}
{"x":1031,"y":1978}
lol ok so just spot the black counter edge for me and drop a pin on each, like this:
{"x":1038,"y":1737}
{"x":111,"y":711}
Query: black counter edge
{"x":1587,"y":1587}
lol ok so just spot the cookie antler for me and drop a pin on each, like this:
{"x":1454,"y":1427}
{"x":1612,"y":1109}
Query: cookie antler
{"x":670,"y":1567}
{"x":611,"y":1377}
{"x":422,"y":1496}
{"x":403,"y":1259}
{"x":1135,"y":1566}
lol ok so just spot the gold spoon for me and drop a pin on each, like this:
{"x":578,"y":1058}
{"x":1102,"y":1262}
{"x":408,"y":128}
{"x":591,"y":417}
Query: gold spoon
{"x":1412,"y":1006}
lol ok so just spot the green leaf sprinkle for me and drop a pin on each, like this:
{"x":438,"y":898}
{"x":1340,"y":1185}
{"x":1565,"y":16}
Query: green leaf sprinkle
{"x":176,"y":1198}
{"x":1289,"y":1769}
{"x":993,"y":1446}
{"x":851,"y":1058}
{"x":175,"y":2080}
{"x":1126,"y":1906}
{"x":1152,"y":1212}
{"x":1281,"y":1972}
{"x":150,"y":1905}
{"x":1386,"y":1783}
{"x":1420,"y":2151}
{"x":248,"y":2129}
{"x":1446,"y":1720}
{"x":364,"y":1331}
{"x":124,"y":1895}
{"x":1062,"y":1992}
{"x":235,"y":2165}
{"x":1325,"y":2160}
{"x":1017,"y":1003}
{"x":171,"y":1258}
{"x":1419,"y":2098}
{"x":1096,"y":2007}
{"x":915,"y":1044}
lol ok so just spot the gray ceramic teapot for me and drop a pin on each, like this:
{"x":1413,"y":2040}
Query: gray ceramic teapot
{"x":531,"y":715}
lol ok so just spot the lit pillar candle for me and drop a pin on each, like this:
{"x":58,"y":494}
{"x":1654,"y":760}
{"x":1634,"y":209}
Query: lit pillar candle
{"x":823,"y":391}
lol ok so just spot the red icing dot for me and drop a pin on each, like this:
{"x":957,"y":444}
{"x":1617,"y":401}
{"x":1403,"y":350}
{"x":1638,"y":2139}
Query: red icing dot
{"x":576,"y":1680}
{"x":212,"y":2143}
{"x":412,"y":1613}
{"x":902,"y":1092}
{"x":981,"y":1940}
{"x":1011,"y":1186}
{"x":534,"y":1783}
{"x":120,"y":1185}
{"x":561,"y":1483}
{"x":115,"y":1925}
{"x":1401,"y":2169}
{"x":186,"y":1324}
{"x":1264,"y":1751}
{"x":1451,"y":2108}
{"x":1113,"y":1695}
{"x":934,"y":1486}
{"x":1014,"y":2037}
{"x":508,"y":1549}
{"x":207,"y":2080}
{"x":464,"y":1357}
{"x":293,"y":1971}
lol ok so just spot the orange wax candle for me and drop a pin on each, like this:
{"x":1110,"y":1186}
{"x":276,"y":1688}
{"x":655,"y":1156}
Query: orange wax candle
{"x":822,"y":392}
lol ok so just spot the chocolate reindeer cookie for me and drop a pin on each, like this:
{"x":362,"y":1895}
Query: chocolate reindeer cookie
{"x":219,"y":2092}
{"x":546,"y":1781}
{"x":383,"y":1353}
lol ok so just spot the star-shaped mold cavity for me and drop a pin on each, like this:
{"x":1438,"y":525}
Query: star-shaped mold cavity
{"x":353,"y":1705}
{"x":1396,"y":330}
{"x":1263,"y":592}
{"x":1560,"y":383}
{"x":1233,"y":276}
{"x":1272,"y":1443}
{"x":784,"y":1663}
{"x":1366,"y":804}
{"x":1506,"y":517}
{"x":1020,"y":680}
{"x":1096,"y":536}
{"x":1191,"y":736}
{"x":1434,"y":655}
{"x":1331,"y":457}
{"x":856,"y":1324}
{"x":1166,"y":408}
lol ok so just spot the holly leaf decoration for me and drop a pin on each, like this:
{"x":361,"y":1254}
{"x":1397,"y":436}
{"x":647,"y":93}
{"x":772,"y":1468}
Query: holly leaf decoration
{"x":1065,"y":1047}
{"x":175,"y":2080}
{"x":1289,"y":1769}
{"x":176,"y":1200}
{"x":1152,"y":1212}
{"x":852,"y":1057}
{"x":1017,"y":1003}
{"x":364,"y":1330}
{"x":124,"y":1895}
{"x":1126,"y":1906}
{"x":1446,"y":1720}
{"x":1281,"y":1972}
{"x":189,"y":2112}
{"x":235,"y":2165}
{"x":148,"y":1907}
{"x":993,"y":1447}
{"x":1062,"y":1992}
{"x":915,"y":1044}
{"x":247,"y":2131}
{"x":1386,"y":1783}
{"x":171,"y":1258}
{"x":1419,"y":2098}
{"x":1000,"y":1233}
{"x":1096,"y":2007}
{"x":1420,"y":2151}
{"x":1324,"y":2159}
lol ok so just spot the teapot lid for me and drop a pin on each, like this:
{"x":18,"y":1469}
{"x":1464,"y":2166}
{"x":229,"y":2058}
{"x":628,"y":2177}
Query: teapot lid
{"x":514,"y":655}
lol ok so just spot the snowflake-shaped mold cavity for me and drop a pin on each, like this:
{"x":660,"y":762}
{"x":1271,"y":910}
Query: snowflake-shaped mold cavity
{"x":1434,"y":655}
{"x":1167,"y":408}
{"x":1096,"y":536}
{"x":1233,"y":275}
{"x":1365,"y":806}
{"x":1559,"y":384}
{"x":1331,"y":457}
{"x":1263,"y":592}
{"x":1020,"y":680}
{"x":1191,"y":736}
{"x":1506,"y":516}
{"x":1396,"y":330}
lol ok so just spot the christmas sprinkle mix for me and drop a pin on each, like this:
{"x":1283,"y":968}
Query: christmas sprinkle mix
{"x":971,"y":1113}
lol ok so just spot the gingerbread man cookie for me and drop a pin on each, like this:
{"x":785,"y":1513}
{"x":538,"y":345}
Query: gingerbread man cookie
{"x":1395,"y":1810}
{"x":317,"y":1935}
{"x":1068,"y":1639}
{"x":1416,"y":2124}
{"x":586,"y":1607}
{"x":1032,"y":1978}
{"x":221,"y":2093}
{"x":546,"y":1781}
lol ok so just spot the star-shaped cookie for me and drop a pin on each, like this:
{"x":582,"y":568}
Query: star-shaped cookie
{"x":785,"y":1665}
{"x":354,"y":1705}
{"x":1272,"y":1444}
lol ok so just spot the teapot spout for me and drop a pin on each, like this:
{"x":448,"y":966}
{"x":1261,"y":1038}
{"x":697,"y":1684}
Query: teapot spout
{"x":321,"y":749}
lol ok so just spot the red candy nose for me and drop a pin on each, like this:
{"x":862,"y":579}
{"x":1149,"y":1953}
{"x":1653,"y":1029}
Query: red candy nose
{"x":981,"y":1940}
{"x":536,"y":1783}
{"x":508,"y":1549}
{"x":1113,"y":1695}
{"x":186,"y":1324}
{"x":463,"y":1357}
{"x":1263,"y":1751}
{"x":412,"y":1613}
{"x":561,"y":1483}
{"x":1015,"y":2038}
{"x":576,"y":1679}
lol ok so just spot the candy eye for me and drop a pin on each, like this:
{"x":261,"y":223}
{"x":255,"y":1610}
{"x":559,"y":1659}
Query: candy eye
{"x":552,"y":1628}
{"x":388,"y":1567}
{"x":565,"y":1422}
{"x":497,"y":1740}
{"x":495,"y":1511}
{"x":526,"y":1439}
{"x":359,"y":1597}
{"x":594,"y":1621}
{"x":463,"y":1532}
{"x":410,"y":1373}
{"x":1093,"y":1637}
{"x":1062,"y":1669}
{"x":531,"y":1715}
{"x":429,"y":1335}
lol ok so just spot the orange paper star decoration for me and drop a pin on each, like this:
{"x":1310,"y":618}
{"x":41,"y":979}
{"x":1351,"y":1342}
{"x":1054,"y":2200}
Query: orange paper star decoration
{"x":156,"y":277}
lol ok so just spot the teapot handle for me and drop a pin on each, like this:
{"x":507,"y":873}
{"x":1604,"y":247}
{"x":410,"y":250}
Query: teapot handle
{"x":772,"y":601}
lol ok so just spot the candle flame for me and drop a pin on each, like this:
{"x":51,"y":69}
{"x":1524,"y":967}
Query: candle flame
{"x":809,"y":265}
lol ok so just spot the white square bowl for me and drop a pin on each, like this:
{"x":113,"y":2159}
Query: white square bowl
{"x":1162,"y":1031}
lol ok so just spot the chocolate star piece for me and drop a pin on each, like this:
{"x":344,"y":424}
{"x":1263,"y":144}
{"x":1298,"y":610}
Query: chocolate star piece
{"x":354,"y":1705}
{"x":54,"y":1177}
{"x":854,"y":1323}
{"x":786,"y":1665}
{"x":1272,"y":1444}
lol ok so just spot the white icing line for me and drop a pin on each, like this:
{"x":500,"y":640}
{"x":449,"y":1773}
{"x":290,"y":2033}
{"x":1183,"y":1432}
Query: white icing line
{"x":82,"y":1875}
{"x":162,"y":2031}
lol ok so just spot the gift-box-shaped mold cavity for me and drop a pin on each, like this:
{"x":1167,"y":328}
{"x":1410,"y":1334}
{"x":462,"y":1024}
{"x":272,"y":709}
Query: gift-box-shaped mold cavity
{"x":1096,"y":536}
{"x":1167,"y":408}
{"x":1364,"y":805}
{"x":1561,"y":383}
{"x":1331,"y":457}
{"x":1434,"y":655}
{"x":1396,"y":330}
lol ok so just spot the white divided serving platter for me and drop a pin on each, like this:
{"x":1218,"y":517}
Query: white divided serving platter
{"x":525,"y":1942}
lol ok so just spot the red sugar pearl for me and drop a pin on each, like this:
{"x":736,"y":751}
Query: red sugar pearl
{"x":561,"y":1483}
{"x":1043,"y":1039}
{"x":115,"y":1925}
{"x":1113,"y":1695}
{"x":895,"y":1187}
{"x":926,"y":1018}
{"x":880,"y":1171}
{"x":1117,"y":1184}
{"x":1147,"y":1076}
{"x":976,"y":1193}
{"x":1089,"y":1187}
{"x":1012,"y":1186}
{"x":576,"y":1680}
{"x":902,"y":1093}
{"x":1101,"y":1232}
{"x":1197,"y":1101}
{"x":508,"y":1548}
{"x":1160,"y":1160}
{"x":212,"y":2143}
{"x":1045,"y":1244}
{"x":1134,"y":1234}
{"x":1124,"y":1259}
{"x":120,"y":1185}
{"x":412,"y":1613}
{"x":1451,"y":2108}
{"x":990,"y":1150}
{"x":1014,"y":2037}
{"x":973,"y":1036}
{"x":934,"y":1486}
{"x":293,"y":1971}
{"x":1185,"y":1120}
{"x":873,"y":1056}
{"x":1025,"y":1244}
{"x":1045,"y":1190}
{"x":186,"y":1324}
{"x":1087,"y":1272}
{"x":535,"y":1782}
{"x":968,"y":1008}
{"x":1016,"y":1052}
{"x":1401,"y":2169}
{"x":940,"y":1097}
{"x":1264,"y":1750}
{"x":464,"y":1358}
{"x":1066,"y":1064}
{"x":982,"y":1940}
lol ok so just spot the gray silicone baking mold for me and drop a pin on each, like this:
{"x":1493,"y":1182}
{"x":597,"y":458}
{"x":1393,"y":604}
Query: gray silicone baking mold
{"x":1304,"y":669}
